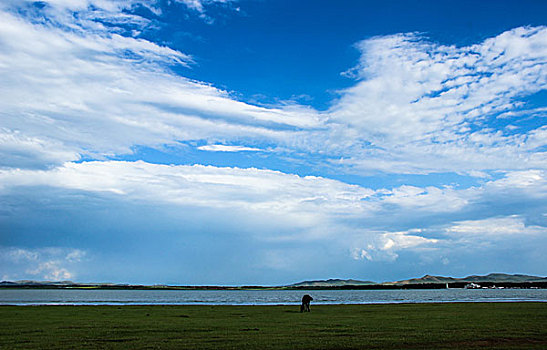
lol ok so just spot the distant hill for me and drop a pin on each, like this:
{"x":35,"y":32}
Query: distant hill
{"x":502,"y":277}
{"x":491,"y":278}
{"x":427,"y":281}
{"x":332,"y":283}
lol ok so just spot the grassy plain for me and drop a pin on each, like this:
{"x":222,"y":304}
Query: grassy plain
{"x":392,"y":326}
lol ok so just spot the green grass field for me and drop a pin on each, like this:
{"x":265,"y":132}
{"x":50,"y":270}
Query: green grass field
{"x":394,"y":326}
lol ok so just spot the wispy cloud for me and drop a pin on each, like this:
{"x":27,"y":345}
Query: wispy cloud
{"x":228,"y":148}
{"x":199,"y":5}
{"x":417,"y":107}
{"x":68,"y":94}
{"x":424,"y":107}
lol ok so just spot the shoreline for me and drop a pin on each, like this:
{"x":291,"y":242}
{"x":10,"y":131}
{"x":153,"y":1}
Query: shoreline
{"x":276,"y":304}
{"x":315,"y":304}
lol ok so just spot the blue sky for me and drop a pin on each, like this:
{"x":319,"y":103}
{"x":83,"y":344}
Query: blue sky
{"x":269,"y":142}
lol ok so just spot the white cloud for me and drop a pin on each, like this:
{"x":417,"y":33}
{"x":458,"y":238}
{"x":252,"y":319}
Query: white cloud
{"x":75,"y":255}
{"x":283,"y":210}
{"x":453,"y":239}
{"x":19,"y":151}
{"x":429,"y":198}
{"x":228,"y":148}
{"x":50,"y":271}
{"x":258,"y":189}
{"x":418,"y":107}
{"x":52,"y":264}
{"x":533,"y":179}
{"x":112,"y":8}
{"x":203,"y":186}
{"x":97,"y":94}
{"x":318,"y":208}
{"x":424,"y":107}
{"x":199,"y":5}
{"x":383,"y":246}
{"x":193,"y":4}
{"x":496,"y":227}
{"x":19,"y":254}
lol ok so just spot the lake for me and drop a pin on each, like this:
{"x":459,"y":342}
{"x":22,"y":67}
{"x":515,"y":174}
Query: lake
{"x":261,"y":297}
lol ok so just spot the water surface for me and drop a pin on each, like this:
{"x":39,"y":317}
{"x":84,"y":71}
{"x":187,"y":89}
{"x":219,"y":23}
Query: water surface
{"x":260,"y":297}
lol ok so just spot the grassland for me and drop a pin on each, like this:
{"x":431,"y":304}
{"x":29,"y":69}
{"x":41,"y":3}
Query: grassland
{"x":394,"y":326}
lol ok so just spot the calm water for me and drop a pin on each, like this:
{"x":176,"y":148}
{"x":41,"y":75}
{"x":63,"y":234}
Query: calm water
{"x":246,"y":297}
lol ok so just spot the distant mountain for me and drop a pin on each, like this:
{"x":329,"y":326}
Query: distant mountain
{"x":426,"y":281}
{"x":491,"y":278}
{"x":332,"y":283}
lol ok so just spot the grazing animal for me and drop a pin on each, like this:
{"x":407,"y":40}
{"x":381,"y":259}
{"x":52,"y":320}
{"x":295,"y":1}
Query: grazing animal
{"x":306,"y":303}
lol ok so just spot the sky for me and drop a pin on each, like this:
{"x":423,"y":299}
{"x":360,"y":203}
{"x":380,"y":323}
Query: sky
{"x":262,"y":142}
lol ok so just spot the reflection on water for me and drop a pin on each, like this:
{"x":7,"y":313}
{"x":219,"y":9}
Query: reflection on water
{"x":262,"y":297}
